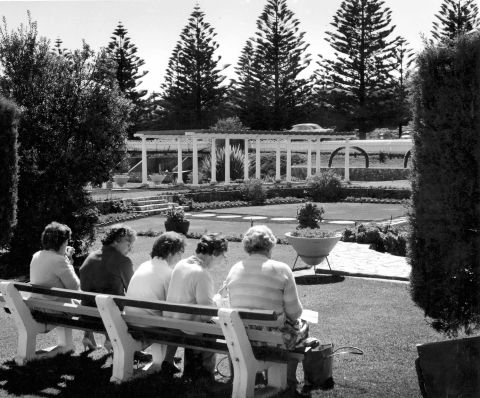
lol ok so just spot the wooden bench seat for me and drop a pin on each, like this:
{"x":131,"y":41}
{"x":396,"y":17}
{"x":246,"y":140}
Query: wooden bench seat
{"x":236,"y":332}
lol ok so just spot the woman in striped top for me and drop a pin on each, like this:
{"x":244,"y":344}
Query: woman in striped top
{"x":258,"y":282}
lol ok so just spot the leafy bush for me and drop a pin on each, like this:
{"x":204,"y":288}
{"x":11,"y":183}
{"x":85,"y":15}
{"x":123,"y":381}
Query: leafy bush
{"x":72,"y":133}
{"x":113,"y":206}
{"x":324,"y":187}
{"x":380,"y":238}
{"x":175,"y":214}
{"x":9,"y":115}
{"x":309,"y":215}
{"x":444,"y":243}
{"x":253,"y":192}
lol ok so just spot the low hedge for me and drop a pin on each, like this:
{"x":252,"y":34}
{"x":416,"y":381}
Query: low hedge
{"x":377,"y":192}
{"x":385,"y":238}
{"x":363,"y":199}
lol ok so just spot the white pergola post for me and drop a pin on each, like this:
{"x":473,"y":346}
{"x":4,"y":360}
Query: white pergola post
{"x":227,"y":160}
{"x":213,"y":157}
{"x":309,"y":159}
{"x":144,"y":161}
{"x":347,"y":161}
{"x":289,"y":159}
{"x":277,"y":162}
{"x":194,"y":161}
{"x":245,"y":160}
{"x":179,"y":161}
{"x":317,"y":158}
{"x":257,"y":159}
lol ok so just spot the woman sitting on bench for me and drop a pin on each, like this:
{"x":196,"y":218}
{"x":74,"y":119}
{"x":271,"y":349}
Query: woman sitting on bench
{"x":151,"y":280}
{"x":191,"y":283}
{"x":53,"y":266}
{"x":258,"y":282}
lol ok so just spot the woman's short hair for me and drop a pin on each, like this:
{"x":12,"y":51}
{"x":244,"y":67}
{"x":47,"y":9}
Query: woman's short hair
{"x":54,"y":236}
{"x":212,"y":244}
{"x":259,"y":238}
{"x":168,"y":243}
{"x":117,"y":232}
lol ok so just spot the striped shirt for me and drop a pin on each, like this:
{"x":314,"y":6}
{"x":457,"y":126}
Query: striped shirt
{"x":261,"y":283}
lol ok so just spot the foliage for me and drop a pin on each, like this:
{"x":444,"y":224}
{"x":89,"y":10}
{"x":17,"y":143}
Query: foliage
{"x":229,"y":124}
{"x":455,"y":18}
{"x":312,"y":233}
{"x":380,"y":238}
{"x":127,"y":70}
{"x":403,"y":58}
{"x":71,"y":133}
{"x":324,"y":187}
{"x":236,"y":164}
{"x":175,"y":214}
{"x":359,"y":77}
{"x":309,"y":215}
{"x":253,"y":191}
{"x":193,"y":91}
{"x":444,"y":251}
{"x":269,"y":92}
{"x":113,"y":206}
{"x":9,"y":117}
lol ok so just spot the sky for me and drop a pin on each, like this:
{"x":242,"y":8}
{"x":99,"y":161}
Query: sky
{"x":154,"y":26}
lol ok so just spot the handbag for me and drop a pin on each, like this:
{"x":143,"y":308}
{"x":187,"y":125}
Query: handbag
{"x":318,"y":364}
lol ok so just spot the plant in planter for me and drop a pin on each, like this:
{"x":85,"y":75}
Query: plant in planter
{"x":311,"y":243}
{"x":121,"y":179}
{"x":157,"y":178}
{"x":176,"y":220}
{"x":444,"y":244}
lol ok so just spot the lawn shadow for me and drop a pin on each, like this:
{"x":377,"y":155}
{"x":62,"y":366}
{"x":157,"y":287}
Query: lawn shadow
{"x":318,"y":279}
{"x":89,"y":376}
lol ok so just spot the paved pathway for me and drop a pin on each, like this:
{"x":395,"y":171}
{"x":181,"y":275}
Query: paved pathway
{"x":358,"y":260}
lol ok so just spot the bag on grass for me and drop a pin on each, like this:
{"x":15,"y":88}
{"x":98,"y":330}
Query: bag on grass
{"x":318,"y":364}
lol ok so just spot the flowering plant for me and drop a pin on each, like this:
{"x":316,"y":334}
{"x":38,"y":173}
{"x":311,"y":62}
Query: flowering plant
{"x":175,"y":214}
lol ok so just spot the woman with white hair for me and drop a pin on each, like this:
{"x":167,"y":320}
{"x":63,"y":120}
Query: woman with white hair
{"x":258,"y":282}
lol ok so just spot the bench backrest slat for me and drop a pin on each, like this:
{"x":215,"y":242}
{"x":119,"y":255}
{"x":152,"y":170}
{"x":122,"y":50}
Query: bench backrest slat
{"x":83,"y":323}
{"x":260,"y":315}
{"x":70,"y":308}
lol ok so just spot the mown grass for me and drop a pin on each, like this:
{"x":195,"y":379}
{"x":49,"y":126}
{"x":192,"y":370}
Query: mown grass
{"x":378,"y":317}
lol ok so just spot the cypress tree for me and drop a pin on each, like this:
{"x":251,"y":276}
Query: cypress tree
{"x":444,"y":243}
{"x":455,"y":18}
{"x":274,"y":59}
{"x":363,"y":60}
{"x":193,"y":88}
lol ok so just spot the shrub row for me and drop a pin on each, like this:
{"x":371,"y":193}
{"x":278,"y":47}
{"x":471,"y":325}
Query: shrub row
{"x":113,"y":206}
{"x":380,"y":238}
{"x":377,"y":192}
{"x":373,"y":174}
{"x":352,"y":199}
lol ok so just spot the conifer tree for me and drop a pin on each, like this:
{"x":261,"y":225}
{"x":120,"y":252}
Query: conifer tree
{"x":404,"y":57}
{"x":127,"y":71}
{"x":276,"y":56}
{"x":456,"y":17}
{"x":193,"y":88}
{"x":363,"y":60}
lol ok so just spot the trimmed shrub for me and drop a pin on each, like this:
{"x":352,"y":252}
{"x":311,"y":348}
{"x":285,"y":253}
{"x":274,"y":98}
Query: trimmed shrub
{"x":253,"y":191}
{"x":325,"y":187}
{"x":444,"y":241}
{"x":9,"y":115}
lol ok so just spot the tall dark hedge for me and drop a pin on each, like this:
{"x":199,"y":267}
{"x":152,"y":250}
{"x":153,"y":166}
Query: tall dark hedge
{"x":445,"y":215}
{"x":9,"y":114}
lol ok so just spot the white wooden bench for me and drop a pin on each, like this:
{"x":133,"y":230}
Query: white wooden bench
{"x":251,"y":350}
{"x":33,"y":316}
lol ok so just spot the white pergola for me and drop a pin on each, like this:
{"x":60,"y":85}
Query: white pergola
{"x":275,"y":141}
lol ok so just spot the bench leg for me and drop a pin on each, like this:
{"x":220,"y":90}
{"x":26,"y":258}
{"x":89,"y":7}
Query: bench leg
{"x":124,"y":345}
{"x":277,"y":375}
{"x":65,"y":339}
{"x":245,"y":365}
{"x":27,"y":327}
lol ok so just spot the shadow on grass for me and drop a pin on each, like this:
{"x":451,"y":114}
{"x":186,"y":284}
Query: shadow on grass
{"x":318,"y":279}
{"x":86,"y":376}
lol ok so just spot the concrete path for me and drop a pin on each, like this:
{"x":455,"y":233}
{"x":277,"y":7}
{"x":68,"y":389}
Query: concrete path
{"x":358,"y":260}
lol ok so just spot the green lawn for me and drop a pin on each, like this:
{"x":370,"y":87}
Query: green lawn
{"x":378,"y":317}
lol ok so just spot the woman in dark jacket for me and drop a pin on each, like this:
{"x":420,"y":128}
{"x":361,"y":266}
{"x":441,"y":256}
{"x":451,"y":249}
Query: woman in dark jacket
{"x":108,"y":270}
